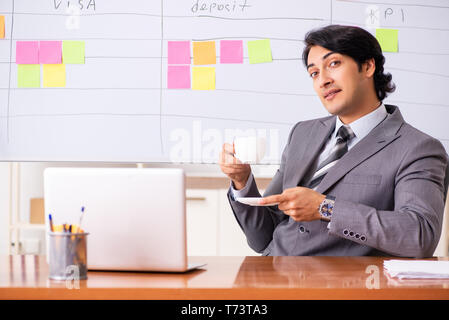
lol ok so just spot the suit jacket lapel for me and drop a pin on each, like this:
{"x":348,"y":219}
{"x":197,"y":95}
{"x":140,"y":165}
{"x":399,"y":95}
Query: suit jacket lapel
{"x":300,"y":159}
{"x":376,"y":140}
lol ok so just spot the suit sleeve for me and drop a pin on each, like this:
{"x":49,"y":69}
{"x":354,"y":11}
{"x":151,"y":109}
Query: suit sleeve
{"x":258,"y":223}
{"x":413,"y":228}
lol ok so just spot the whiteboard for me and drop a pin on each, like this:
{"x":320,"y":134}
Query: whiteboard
{"x":116,"y":107}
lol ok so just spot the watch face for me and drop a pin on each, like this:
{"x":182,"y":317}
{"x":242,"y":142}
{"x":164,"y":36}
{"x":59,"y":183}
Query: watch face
{"x":326,"y":209}
{"x":325,"y":214}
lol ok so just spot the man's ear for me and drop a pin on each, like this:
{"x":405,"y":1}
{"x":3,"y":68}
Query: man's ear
{"x":369,"y":67}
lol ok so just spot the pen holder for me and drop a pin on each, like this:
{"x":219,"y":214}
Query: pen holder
{"x":68,"y":255}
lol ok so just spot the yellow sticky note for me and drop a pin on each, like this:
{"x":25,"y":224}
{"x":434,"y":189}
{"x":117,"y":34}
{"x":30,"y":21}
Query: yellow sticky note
{"x":388,"y":39}
{"x":54,"y":75}
{"x":2,"y":27}
{"x":204,"y":53}
{"x":28,"y":75}
{"x":203,"y":78}
{"x":259,"y":51}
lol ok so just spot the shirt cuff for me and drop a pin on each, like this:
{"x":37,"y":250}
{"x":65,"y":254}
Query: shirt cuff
{"x":242,"y":192}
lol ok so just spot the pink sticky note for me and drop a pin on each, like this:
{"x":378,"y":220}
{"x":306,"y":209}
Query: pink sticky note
{"x":50,"y":52}
{"x":27,"y":52}
{"x":231,"y":51}
{"x":178,"y":77}
{"x":179,"y":52}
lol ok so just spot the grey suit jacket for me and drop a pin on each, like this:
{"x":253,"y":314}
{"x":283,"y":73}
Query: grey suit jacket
{"x":389,"y":194}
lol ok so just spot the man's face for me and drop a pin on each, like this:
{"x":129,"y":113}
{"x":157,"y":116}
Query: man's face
{"x":336,"y":80}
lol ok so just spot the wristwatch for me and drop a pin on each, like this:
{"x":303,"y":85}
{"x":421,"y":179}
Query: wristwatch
{"x":326,"y":208}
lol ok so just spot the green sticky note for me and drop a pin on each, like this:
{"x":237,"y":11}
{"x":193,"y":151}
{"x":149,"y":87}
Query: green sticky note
{"x":28,"y":75}
{"x":259,"y":51}
{"x":388,"y":39}
{"x":73,"y":52}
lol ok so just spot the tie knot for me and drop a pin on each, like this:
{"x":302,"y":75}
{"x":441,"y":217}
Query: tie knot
{"x":345,"y":133}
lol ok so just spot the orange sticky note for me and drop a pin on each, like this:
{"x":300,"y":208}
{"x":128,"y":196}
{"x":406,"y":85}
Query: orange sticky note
{"x":2,"y":27}
{"x":204,"y":53}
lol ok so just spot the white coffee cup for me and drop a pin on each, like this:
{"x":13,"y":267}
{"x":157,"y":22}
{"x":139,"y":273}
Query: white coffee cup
{"x":249,"y":149}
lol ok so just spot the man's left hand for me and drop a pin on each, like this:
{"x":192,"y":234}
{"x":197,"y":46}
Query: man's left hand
{"x":300,"y":203}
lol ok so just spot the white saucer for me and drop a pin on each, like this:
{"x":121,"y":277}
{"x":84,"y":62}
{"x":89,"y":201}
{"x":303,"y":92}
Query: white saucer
{"x":254,"y":201}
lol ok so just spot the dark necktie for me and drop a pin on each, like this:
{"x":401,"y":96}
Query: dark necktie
{"x":344,"y":134}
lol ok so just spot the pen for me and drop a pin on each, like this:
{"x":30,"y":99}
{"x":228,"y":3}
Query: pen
{"x":81,"y":218}
{"x":51,"y":222}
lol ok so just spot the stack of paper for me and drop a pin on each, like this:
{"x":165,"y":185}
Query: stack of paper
{"x":417,"y":269}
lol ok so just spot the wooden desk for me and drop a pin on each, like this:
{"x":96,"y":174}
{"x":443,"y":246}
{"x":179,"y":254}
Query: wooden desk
{"x":224,"y":278}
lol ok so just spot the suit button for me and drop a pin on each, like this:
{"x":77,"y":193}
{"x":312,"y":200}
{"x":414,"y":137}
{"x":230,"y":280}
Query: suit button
{"x":357,"y":235}
{"x":345,"y":232}
{"x":351,"y":233}
{"x":302,"y":229}
{"x":363,"y":237}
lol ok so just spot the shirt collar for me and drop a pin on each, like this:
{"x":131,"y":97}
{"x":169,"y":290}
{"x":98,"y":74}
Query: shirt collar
{"x":362,"y":126}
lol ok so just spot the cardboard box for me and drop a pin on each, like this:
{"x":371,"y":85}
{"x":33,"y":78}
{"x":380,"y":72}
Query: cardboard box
{"x":37,"y":211}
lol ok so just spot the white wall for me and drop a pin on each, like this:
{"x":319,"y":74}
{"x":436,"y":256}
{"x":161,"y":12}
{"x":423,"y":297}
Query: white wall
{"x":4,"y":206}
{"x":442,"y":249}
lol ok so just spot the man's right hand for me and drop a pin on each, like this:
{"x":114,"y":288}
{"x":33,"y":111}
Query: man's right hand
{"x":237,"y":171}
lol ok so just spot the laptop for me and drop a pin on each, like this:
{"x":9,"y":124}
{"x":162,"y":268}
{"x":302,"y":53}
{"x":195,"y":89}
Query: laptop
{"x":135,"y":217}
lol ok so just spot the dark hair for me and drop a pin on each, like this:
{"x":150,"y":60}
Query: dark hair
{"x":356,"y":43}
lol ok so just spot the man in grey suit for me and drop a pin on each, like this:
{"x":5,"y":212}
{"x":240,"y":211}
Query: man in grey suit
{"x":359,"y":182}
